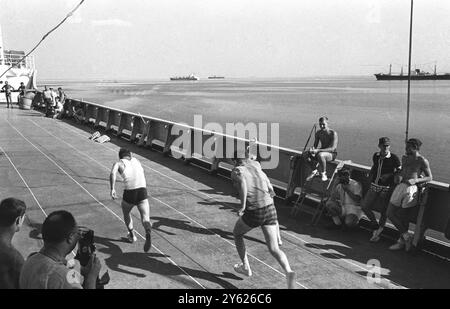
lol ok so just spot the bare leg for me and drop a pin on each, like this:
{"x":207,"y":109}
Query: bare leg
{"x":335,"y":211}
{"x":240,"y":229}
{"x":144,"y":210}
{"x":279,"y":235}
{"x":270,"y":234}
{"x":126,"y":209}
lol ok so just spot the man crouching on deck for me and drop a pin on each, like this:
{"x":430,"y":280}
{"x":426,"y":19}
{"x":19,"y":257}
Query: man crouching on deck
{"x":405,"y":196}
{"x":257,"y":209}
{"x":134,"y":194}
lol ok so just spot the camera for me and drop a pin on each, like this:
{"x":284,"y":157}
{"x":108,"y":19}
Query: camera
{"x":86,"y":248}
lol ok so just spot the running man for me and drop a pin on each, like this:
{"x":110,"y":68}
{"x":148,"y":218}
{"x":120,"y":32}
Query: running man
{"x":134,"y":194}
{"x":328,"y":139}
{"x":257,"y":209}
{"x":415,"y":170}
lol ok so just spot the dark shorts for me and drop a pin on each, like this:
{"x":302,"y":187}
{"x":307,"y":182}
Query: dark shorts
{"x":135,"y":196}
{"x":260,"y":216}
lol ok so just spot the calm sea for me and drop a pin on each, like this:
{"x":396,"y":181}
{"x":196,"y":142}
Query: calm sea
{"x":360,"y":109}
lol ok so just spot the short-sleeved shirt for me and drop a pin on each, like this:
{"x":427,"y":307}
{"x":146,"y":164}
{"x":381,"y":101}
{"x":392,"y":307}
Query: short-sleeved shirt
{"x":11,"y":262}
{"x":386,"y":165}
{"x":258,"y":195}
{"x":43,"y":272}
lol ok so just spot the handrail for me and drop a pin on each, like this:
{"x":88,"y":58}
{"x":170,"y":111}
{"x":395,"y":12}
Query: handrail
{"x":356,"y":166}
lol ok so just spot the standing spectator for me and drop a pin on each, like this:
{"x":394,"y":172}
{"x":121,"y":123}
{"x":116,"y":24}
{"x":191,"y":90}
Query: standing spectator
{"x":415,"y":171}
{"x":385,"y":165}
{"x":8,"y":89}
{"x":47,"y":99}
{"x":12,"y":215}
{"x":61,"y":96}
{"x":61,"y":104}
{"x":344,"y":202}
{"x":47,"y":269}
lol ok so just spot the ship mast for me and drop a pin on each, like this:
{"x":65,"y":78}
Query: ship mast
{"x":409,"y":71}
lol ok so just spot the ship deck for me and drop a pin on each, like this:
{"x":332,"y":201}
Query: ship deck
{"x":52,"y":165}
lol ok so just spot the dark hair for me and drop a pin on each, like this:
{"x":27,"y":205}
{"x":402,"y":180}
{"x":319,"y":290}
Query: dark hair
{"x":415,"y":142}
{"x":323,"y":118}
{"x":10,"y":209}
{"x":123,"y":152}
{"x":343,"y":172}
{"x":58,"y":226}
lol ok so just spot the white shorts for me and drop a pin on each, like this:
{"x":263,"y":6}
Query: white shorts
{"x":404,"y":195}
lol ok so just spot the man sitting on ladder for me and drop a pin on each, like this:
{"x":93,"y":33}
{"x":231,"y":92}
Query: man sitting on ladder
{"x":318,"y":157}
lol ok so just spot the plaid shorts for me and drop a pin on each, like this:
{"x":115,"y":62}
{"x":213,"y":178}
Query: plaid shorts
{"x":378,"y":188}
{"x":260,"y":216}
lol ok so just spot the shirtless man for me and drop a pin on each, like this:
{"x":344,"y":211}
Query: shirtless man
{"x":328,"y":139}
{"x":415,"y":170}
{"x":257,"y":209}
{"x":134,"y":194}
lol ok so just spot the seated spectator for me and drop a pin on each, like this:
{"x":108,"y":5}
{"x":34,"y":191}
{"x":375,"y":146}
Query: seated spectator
{"x":21,"y":92}
{"x":415,"y":171}
{"x":385,"y":165}
{"x":12,"y":215}
{"x":78,"y":114}
{"x":318,"y":157}
{"x":344,"y":203}
{"x":47,"y":269}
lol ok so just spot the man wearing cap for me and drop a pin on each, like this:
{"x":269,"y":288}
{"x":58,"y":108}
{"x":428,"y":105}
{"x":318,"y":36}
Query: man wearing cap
{"x":385,"y":166}
{"x":344,"y":203}
{"x":415,"y":171}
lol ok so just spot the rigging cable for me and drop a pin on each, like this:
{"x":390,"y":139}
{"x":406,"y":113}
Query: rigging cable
{"x":44,"y":37}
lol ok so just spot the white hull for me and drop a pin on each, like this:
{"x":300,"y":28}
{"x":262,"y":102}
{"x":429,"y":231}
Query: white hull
{"x":14,"y":77}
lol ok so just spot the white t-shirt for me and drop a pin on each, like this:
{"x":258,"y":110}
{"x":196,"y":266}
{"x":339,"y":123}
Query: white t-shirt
{"x":349,"y":205}
{"x":133,"y":174}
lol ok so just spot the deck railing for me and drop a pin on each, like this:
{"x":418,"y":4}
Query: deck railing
{"x":154,"y":132}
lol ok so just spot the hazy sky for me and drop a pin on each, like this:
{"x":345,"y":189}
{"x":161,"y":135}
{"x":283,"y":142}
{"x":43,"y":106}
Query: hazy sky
{"x":138,"y":39}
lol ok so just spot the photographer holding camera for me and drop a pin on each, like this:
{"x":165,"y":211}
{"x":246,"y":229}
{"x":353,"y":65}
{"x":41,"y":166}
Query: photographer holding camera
{"x":344,"y":202}
{"x":47,"y":269}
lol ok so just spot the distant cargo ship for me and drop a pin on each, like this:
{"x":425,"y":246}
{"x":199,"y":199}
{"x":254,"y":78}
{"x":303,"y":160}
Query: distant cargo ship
{"x":190,"y":77}
{"x":415,"y":75}
{"x":216,"y":77}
